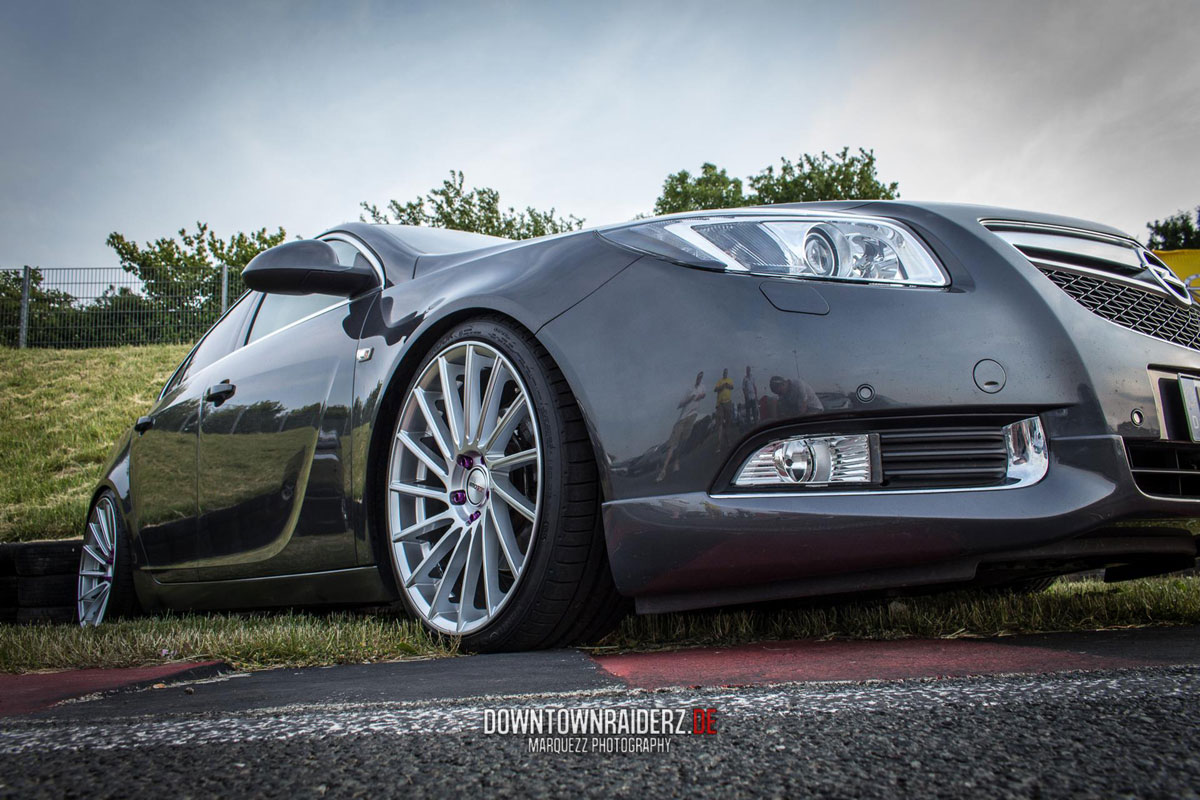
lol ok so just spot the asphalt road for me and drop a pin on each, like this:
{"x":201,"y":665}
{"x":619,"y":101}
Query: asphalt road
{"x":1109,"y":734}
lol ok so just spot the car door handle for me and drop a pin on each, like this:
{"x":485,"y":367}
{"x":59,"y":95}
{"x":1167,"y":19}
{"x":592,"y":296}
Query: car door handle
{"x":143,"y":424}
{"x":220,"y":392}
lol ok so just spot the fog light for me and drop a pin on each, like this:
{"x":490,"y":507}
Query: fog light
{"x":794,"y":461}
{"x":813,"y":461}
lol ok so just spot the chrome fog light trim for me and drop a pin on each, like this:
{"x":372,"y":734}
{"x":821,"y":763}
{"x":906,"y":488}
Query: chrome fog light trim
{"x":813,"y":461}
{"x":1028,"y":454}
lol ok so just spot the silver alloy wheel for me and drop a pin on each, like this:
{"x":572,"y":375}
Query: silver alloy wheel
{"x":97,"y":563}
{"x":464,"y":487}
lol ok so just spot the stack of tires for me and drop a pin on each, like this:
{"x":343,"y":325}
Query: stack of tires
{"x":8,"y":583}
{"x":38,"y":581}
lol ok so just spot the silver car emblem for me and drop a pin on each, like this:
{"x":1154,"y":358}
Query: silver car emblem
{"x":1165,"y":278}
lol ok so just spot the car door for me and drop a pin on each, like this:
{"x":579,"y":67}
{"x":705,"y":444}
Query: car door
{"x":163,"y":455}
{"x":274,"y":440}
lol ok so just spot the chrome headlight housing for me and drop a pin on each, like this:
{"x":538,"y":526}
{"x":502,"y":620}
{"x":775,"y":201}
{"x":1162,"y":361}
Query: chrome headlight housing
{"x":825,"y":247}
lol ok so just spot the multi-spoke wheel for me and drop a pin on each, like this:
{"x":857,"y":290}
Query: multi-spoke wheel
{"x":478,"y":513}
{"x":105,"y":584}
{"x":465,"y":473}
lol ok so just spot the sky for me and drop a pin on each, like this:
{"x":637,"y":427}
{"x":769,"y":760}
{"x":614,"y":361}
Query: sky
{"x":145,"y":117}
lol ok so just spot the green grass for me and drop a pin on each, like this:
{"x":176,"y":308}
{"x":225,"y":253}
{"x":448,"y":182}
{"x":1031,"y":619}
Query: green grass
{"x":247,"y":641}
{"x":252,"y":641}
{"x":61,"y":411}
{"x":1065,"y":606}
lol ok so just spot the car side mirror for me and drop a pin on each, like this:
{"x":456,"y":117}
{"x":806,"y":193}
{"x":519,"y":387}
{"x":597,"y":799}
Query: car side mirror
{"x":306,"y":266}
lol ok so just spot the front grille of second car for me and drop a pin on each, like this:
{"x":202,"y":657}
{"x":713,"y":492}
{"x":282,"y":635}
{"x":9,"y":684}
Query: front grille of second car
{"x":1136,"y":309}
{"x":946,"y":457}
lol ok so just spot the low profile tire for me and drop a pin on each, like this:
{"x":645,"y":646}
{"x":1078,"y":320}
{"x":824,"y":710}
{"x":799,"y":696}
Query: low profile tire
{"x":492,"y":517}
{"x":104,"y":583}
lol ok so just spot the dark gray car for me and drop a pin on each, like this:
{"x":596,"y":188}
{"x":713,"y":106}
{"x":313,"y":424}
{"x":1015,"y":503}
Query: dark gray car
{"x":515,"y":438}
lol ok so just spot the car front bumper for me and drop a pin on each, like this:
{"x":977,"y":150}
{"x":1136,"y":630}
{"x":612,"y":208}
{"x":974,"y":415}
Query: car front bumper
{"x":696,"y":550}
{"x":679,"y":536}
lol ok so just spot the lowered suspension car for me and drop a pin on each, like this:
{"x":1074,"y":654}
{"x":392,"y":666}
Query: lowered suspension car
{"x":516,"y":440}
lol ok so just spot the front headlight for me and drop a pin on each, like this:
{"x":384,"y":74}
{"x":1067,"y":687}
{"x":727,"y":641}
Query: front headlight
{"x":824,"y":247}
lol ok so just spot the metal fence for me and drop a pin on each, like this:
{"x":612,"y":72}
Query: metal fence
{"x":107,"y":306}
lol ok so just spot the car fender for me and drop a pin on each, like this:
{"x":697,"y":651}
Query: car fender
{"x":529,"y":286}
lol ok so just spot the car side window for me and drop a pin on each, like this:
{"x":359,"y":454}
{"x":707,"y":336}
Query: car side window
{"x":278,"y":310}
{"x":221,"y":340}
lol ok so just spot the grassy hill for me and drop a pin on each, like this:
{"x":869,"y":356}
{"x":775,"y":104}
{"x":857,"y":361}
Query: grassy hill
{"x":60,"y":413}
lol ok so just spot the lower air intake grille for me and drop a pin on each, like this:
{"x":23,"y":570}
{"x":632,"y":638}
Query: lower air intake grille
{"x":1165,"y":469}
{"x":947,"y":457}
{"x":1136,"y":309}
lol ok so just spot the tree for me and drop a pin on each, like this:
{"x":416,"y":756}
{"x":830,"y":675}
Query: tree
{"x":841,"y":176}
{"x":182,"y":279}
{"x":712,"y":188}
{"x":475,"y":211}
{"x":825,"y":177}
{"x":1176,"y":232}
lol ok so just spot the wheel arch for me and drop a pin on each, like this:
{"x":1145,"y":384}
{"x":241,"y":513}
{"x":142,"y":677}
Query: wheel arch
{"x":116,"y":478}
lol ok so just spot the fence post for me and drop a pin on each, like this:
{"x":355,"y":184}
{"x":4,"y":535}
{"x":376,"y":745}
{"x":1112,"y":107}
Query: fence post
{"x":224,"y":287}
{"x":23,"y":336}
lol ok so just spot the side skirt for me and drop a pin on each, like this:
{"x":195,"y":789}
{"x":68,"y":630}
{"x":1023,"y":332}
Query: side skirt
{"x":358,"y":585}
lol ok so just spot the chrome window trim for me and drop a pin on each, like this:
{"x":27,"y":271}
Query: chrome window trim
{"x":343,"y":302}
{"x":245,"y":345}
{"x":362,"y":248}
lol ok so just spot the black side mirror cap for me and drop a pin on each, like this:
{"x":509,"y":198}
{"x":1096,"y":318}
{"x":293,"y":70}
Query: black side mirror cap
{"x":306,"y":266}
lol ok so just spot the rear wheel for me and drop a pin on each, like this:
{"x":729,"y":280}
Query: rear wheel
{"x":492,"y":497}
{"x":105,"y":581}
